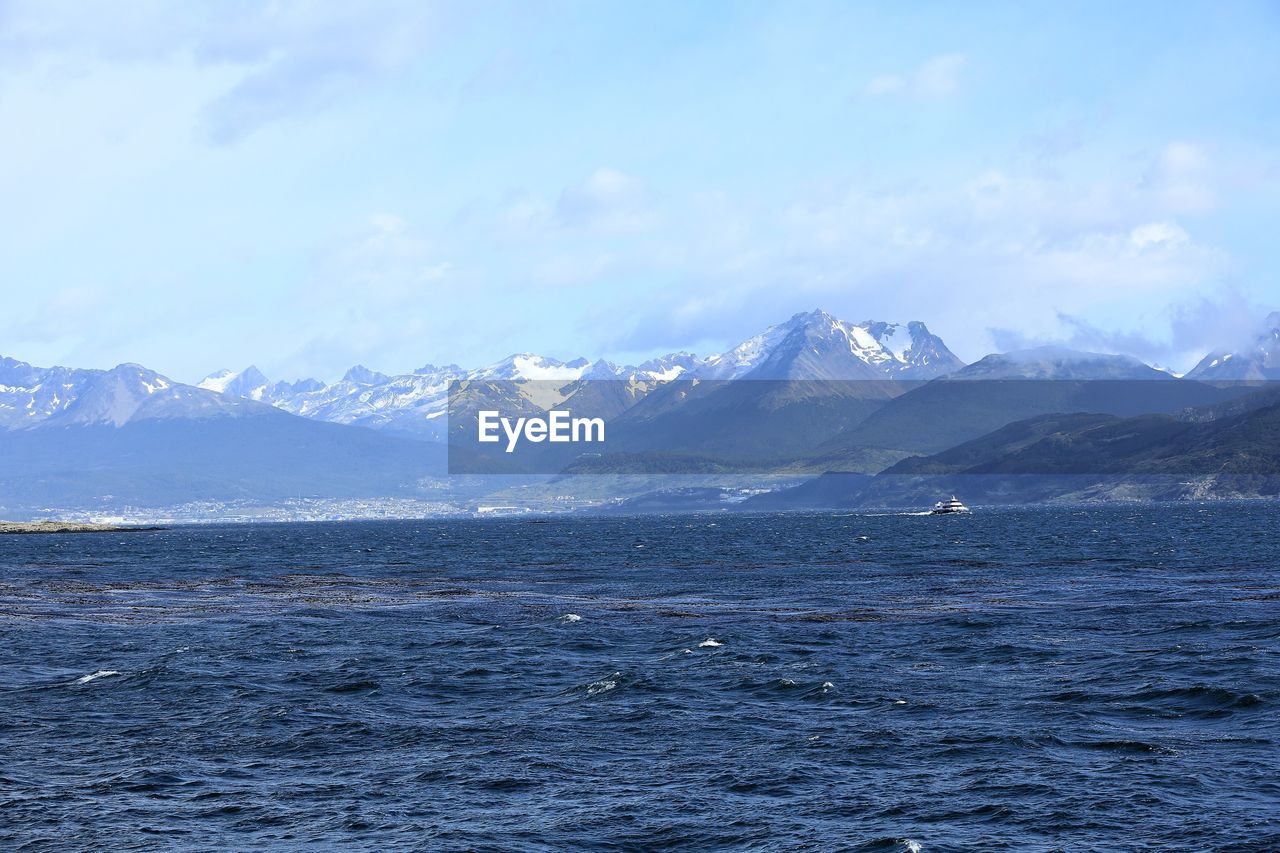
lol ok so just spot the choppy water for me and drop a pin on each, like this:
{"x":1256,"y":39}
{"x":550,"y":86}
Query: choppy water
{"x":1020,"y":679}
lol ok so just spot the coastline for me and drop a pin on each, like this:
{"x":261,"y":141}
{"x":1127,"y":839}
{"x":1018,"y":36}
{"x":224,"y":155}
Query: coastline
{"x":32,"y":527}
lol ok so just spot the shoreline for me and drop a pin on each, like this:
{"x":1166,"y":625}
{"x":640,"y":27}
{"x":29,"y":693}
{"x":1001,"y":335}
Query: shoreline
{"x":18,"y":528}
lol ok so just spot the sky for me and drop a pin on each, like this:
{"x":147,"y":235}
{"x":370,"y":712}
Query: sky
{"x":306,"y":186}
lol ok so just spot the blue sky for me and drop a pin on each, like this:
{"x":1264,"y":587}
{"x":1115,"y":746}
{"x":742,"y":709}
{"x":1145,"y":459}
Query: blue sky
{"x":310,"y":185}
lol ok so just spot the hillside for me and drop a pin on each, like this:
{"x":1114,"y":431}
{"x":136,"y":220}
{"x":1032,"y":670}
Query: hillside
{"x":1074,"y":456}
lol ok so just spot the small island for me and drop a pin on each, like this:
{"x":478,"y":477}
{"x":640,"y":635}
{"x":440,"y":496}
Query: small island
{"x":67,"y":527}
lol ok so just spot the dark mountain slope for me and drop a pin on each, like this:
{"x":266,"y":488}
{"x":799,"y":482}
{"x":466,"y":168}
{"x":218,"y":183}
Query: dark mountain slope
{"x":1076,"y":455}
{"x":161,"y":461}
{"x":948,"y":411}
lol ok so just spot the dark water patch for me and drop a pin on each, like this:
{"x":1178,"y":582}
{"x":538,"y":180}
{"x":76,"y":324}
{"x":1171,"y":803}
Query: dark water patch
{"x":362,"y":686}
{"x":1199,"y":696}
{"x":1121,"y":746}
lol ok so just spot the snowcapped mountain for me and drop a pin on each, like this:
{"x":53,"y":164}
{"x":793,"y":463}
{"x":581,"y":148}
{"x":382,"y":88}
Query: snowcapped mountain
{"x":808,"y":346}
{"x":818,"y":346}
{"x":404,"y":404}
{"x":527,"y":366}
{"x":919,"y":354}
{"x":248,"y":383}
{"x":218,"y":381}
{"x":669,"y":367}
{"x":542,"y":383}
{"x":1259,"y":361}
{"x":717,"y":415}
{"x":130,"y":436}
{"x":751,"y":353}
{"x":662,"y":369}
{"x":415,"y":403}
{"x":33,"y":397}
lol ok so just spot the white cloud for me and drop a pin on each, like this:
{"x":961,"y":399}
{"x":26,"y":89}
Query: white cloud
{"x":384,"y":263}
{"x":607,"y":200}
{"x":935,"y":78}
{"x":372,"y":296}
{"x":606,"y":203}
{"x":995,"y":251}
{"x":940,"y":75}
{"x":1158,"y":234}
{"x":280,"y":59}
{"x":886,"y":84}
{"x":1176,"y":335}
{"x":1184,"y":178}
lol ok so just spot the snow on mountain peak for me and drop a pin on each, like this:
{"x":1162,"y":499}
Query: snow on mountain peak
{"x":217,"y":381}
{"x":526,"y":365}
{"x":668,"y":367}
{"x":808,"y":345}
{"x":748,"y":355}
{"x":248,"y":383}
{"x":816,"y":345}
{"x":32,"y":397}
{"x":891,"y":336}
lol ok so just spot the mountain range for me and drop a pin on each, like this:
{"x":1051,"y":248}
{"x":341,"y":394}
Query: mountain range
{"x":812,"y":346}
{"x":128,"y":435}
{"x":811,"y":394}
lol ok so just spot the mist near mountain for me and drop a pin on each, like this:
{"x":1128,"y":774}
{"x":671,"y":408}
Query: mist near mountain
{"x":1258,"y":361}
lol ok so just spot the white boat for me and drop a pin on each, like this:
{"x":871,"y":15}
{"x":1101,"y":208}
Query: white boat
{"x":950,"y":507}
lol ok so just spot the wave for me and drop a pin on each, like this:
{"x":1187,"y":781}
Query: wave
{"x":1202,"y":696}
{"x":94,"y":676}
{"x":1195,"y":699}
{"x":604,"y":685}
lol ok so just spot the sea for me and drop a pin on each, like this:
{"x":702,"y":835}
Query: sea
{"x":1066,"y":678}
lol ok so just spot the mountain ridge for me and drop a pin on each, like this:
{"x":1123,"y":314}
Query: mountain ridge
{"x":809,"y":345}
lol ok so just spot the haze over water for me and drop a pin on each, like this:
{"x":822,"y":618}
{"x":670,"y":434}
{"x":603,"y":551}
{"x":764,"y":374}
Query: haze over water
{"x":1037,"y":679}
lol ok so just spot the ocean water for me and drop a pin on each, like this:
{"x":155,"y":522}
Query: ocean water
{"x":1029,"y":679}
